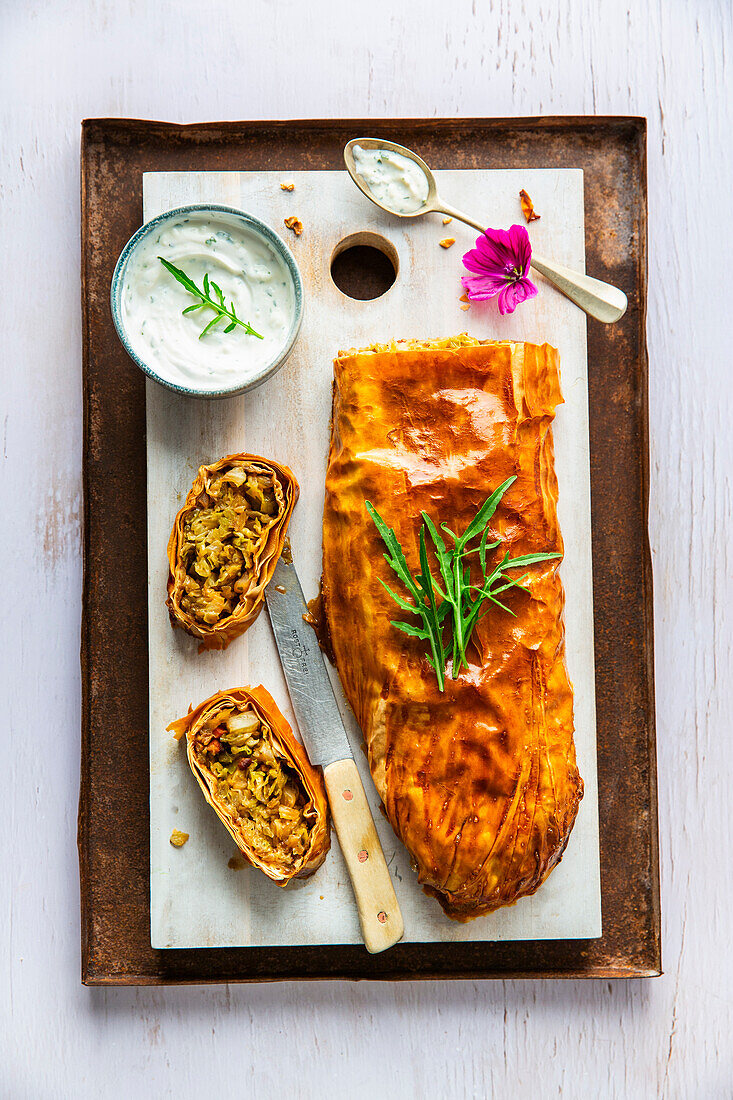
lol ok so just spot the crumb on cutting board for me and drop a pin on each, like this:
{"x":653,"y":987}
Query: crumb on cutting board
{"x":288,"y":186}
{"x":295,"y":224}
{"x":447,"y":242}
{"x":530,"y":215}
{"x":178,"y":839}
{"x":447,"y":221}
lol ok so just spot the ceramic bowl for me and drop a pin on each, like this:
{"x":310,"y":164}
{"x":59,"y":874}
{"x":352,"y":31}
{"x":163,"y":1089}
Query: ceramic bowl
{"x":255,"y":226}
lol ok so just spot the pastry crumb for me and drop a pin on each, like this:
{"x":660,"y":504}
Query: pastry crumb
{"x":289,"y":186}
{"x":178,"y":839}
{"x":447,"y":242}
{"x":295,"y":224}
{"x":447,"y":221}
{"x":463,"y":298}
{"x":528,"y":207}
{"x":465,"y":307}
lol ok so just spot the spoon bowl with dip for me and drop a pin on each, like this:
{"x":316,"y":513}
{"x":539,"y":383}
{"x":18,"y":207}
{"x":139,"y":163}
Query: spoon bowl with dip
{"x":398,"y":181}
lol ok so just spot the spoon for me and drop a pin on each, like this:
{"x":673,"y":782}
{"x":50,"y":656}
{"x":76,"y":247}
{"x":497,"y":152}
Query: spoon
{"x":600,"y":300}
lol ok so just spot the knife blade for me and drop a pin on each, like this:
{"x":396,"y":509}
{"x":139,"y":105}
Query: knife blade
{"x":314,"y":702}
{"x":323,"y":734}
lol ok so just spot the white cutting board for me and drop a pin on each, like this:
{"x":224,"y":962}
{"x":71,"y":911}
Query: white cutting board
{"x":197,"y":899}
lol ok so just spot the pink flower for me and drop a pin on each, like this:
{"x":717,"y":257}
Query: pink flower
{"x":501,"y":261}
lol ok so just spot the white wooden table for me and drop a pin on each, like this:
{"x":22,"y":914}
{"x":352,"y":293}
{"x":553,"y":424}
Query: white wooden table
{"x":666,"y":59}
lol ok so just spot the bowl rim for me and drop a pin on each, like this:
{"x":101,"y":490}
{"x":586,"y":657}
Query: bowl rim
{"x":272,"y":238}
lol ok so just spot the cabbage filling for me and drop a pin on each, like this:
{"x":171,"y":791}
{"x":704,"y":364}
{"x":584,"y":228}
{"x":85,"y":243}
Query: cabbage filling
{"x":221,"y":538}
{"x":262,"y":794}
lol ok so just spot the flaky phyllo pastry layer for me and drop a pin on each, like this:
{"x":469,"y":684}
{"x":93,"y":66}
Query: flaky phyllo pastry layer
{"x":259,"y":781}
{"x":225,"y":544}
{"x":479,"y":782}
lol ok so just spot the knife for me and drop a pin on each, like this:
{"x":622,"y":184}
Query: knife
{"x":324,"y":737}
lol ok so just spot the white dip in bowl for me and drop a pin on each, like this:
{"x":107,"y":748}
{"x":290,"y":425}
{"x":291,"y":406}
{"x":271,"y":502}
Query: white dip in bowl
{"x":256,"y":274}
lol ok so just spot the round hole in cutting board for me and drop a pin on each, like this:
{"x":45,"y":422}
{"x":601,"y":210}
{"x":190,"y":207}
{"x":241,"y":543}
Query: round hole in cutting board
{"x":364,"y":265}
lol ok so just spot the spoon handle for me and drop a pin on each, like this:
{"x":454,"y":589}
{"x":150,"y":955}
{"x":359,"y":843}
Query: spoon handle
{"x":443,"y":208}
{"x":599,"y":300}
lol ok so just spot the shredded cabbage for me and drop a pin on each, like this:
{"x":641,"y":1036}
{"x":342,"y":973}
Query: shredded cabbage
{"x":263,"y":795}
{"x":221,"y":538}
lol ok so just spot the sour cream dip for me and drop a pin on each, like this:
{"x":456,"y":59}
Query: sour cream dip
{"x":254,"y":270}
{"x":395,"y":181}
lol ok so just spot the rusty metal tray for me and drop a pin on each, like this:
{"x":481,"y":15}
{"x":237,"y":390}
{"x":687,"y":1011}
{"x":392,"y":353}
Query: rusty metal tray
{"x":113,"y":801}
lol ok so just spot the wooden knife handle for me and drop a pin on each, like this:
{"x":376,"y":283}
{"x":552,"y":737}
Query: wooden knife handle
{"x":379,"y":914}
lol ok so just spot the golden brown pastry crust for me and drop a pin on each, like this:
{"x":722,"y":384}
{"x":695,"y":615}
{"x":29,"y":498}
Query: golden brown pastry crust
{"x":480,"y":783}
{"x":219,"y":635}
{"x":294,"y":755}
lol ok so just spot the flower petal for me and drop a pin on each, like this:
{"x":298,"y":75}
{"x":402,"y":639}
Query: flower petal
{"x":497,"y":249}
{"x":500,"y":262}
{"x":480,"y":287}
{"x":500,"y":251}
{"x":474,"y":261}
{"x":487,"y":258}
{"x":521,"y":247}
{"x":514,"y":293}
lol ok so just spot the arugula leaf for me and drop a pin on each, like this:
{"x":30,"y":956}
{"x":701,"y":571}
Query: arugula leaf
{"x":484,"y":546}
{"x":397,"y":599}
{"x":219,"y":306}
{"x":408,"y":628}
{"x":421,"y":591}
{"x":181,"y":276}
{"x":529,"y":559}
{"x":453,"y":605}
{"x":485,"y":512}
{"x":429,"y":587}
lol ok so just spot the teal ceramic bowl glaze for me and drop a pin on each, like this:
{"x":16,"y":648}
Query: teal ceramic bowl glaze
{"x":254,"y":226}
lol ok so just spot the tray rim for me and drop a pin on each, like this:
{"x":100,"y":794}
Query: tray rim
{"x":147,"y":133}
